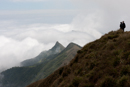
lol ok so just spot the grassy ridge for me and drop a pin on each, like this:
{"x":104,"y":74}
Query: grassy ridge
{"x":102,"y":63}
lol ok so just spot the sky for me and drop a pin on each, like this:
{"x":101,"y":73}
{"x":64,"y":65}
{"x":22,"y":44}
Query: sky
{"x":28,"y":27}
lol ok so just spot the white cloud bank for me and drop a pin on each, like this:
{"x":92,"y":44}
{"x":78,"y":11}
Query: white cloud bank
{"x":108,"y":12}
{"x":23,"y":35}
{"x":12,"y":52}
{"x":23,"y":42}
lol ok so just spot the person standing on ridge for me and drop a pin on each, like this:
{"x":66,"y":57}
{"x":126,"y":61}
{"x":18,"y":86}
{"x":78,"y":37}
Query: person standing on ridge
{"x":122,"y":25}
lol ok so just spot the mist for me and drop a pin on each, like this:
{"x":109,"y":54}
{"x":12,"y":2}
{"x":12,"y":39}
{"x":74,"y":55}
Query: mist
{"x":27,"y":42}
{"x":26,"y":33}
{"x":106,"y":14}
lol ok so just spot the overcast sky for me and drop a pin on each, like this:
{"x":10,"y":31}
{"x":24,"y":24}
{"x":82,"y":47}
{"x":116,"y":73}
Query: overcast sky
{"x":28,"y":27}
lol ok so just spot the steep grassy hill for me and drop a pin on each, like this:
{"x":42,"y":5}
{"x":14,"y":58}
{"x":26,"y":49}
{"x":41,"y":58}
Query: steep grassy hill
{"x":23,"y":76}
{"x":102,"y":63}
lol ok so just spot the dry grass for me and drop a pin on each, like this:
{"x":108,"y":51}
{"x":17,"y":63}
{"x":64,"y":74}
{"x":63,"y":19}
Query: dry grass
{"x":102,"y":63}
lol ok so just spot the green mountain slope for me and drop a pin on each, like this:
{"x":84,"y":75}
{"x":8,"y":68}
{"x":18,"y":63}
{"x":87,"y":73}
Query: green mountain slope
{"x":61,"y":59}
{"x":22,"y":76}
{"x":56,"y":49}
{"x":102,"y":63}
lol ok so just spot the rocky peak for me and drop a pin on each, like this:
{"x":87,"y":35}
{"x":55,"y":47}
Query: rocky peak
{"x":57,"y":48}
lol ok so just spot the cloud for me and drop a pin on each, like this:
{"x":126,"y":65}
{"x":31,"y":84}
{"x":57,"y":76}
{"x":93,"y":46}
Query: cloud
{"x":28,"y":0}
{"x":27,"y":41}
{"x":45,"y":33}
{"x":23,"y":33}
{"x":12,"y":51}
{"x":38,"y":16}
{"x":102,"y":15}
{"x":88,"y":22}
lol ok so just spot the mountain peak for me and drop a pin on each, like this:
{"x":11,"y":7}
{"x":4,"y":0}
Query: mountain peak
{"x":57,"y":48}
{"x":57,"y":43}
{"x":72,"y":44}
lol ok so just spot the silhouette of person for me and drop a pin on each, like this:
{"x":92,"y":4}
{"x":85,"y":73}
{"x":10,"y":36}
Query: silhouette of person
{"x":122,"y":25}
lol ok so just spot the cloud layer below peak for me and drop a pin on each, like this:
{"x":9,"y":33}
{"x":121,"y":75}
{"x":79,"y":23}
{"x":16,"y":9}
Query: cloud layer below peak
{"x":25,"y":33}
{"x":27,"y":41}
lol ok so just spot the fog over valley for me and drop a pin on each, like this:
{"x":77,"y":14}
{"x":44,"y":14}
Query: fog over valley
{"x":28,"y":27}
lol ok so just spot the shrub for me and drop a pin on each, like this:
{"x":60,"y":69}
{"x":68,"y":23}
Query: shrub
{"x":61,"y":70}
{"x":108,"y":82}
{"x":89,"y":85}
{"x":66,"y":72}
{"x":112,"y":36}
{"x":112,"y":72}
{"x":76,"y":59}
{"x":110,"y":47}
{"x":92,"y":65}
{"x":94,"y":75}
{"x":126,"y":55}
{"x":80,"y":70}
{"x":128,"y":60}
{"x":122,"y":81}
{"x":79,"y":51}
{"x":114,"y":40}
{"x":116,"y":61}
{"x":76,"y":81}
{"x":92,"y":46}
{"x":92,"y":55}
{"x":117,"y":52}
{"x":125,"y":70}
{"x":70,"y":85}
{"x":128,"y":42}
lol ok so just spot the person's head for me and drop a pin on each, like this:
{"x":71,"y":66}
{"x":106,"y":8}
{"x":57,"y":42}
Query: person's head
{"x":122,"y":21}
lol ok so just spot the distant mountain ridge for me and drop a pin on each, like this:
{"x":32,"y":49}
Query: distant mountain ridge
{"x":42,"y":66}
{"x":57,"y":48}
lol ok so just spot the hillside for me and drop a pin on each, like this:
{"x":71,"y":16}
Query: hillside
{"x":102,"y":63}
{"x":44,"y":54}
{"x":23,"y":76}
{"x":63,"y":58}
